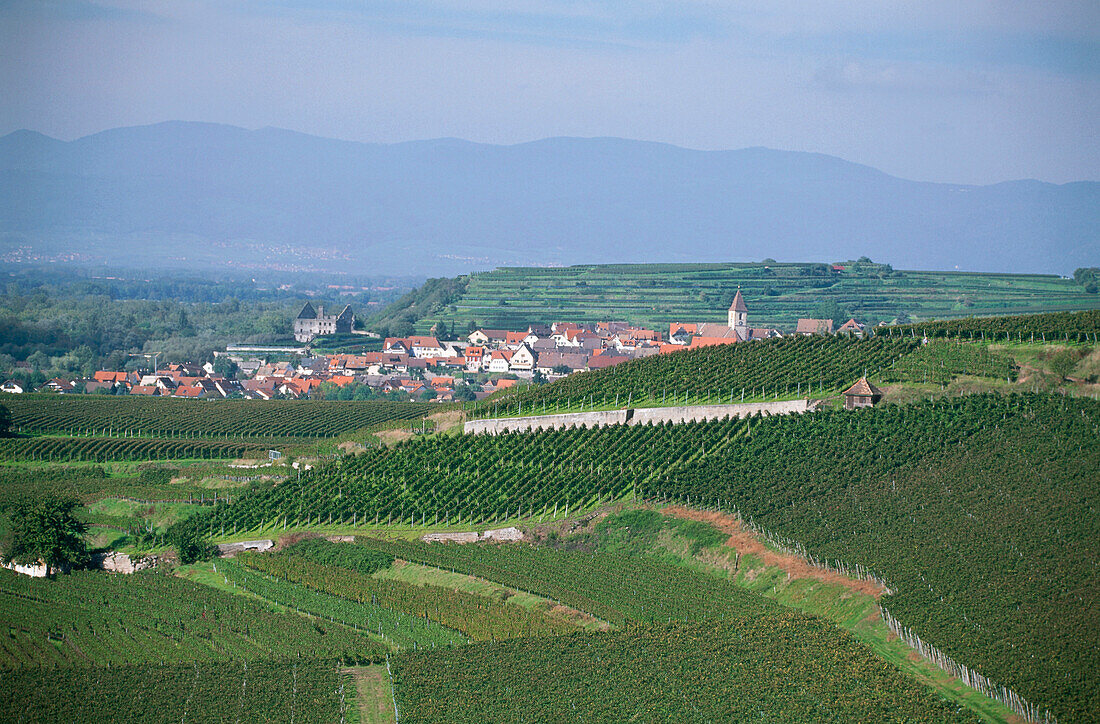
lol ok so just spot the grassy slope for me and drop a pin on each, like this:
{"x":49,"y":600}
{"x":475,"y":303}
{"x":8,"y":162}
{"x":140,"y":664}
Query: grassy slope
{"x":656,"y":294}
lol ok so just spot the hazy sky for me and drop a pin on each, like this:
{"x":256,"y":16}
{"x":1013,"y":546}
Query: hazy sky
{"x":942,"y":90}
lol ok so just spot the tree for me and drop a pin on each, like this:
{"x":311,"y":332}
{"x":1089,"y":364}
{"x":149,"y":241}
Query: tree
{"x":1062,"y":363}
{"x":1086,"y":275}
{"x":47,"y":531}
{"x":189,"y":543}
{"x":225,"y":367}
{"x":832,"y":310}
{"x":5,"y":421}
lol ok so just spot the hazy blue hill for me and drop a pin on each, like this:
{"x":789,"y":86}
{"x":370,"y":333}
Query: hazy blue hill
{"x":444,"y":206}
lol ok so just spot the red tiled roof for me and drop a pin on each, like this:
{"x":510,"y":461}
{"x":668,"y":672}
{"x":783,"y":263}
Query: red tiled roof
{"x":697,"y":342}
{"x":863,"y":388}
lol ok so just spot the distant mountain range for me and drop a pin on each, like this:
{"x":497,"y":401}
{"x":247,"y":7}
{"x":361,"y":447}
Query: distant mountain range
{"x":200,"y":195}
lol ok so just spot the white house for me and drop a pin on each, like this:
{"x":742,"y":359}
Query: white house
{"x":523,"y":359}
{"x":423,"y":347}
{"x":500,"y":360}
{"x":15,"y":388}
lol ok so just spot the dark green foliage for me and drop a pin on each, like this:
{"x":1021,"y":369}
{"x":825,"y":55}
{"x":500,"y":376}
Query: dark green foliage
{"x":480,"y":478}
{"x":232,"y":419}
{"x":781,"y":667}
{"x":990,"y":500}
{"x":5,"y":421}
{"x":190,"y":544}
{"x":354,"y":558}
{"x":298,"y":690}
{"x":108,"y":449}
{"x":979,"y":512}
{"x":1052,"y":327}
{"x":429,"y":300}
{"x":46,"y":530}
{"x":97,"y":618}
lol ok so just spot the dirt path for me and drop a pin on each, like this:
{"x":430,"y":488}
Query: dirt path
{"x":745,"y":541}
{"x":372,"y":694}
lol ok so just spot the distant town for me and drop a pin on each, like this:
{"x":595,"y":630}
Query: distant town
{"x":421,"y":367}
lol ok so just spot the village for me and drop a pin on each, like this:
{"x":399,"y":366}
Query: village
{"x":423,"y":367}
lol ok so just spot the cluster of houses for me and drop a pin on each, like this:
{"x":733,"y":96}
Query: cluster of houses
{"x":423,"y":367}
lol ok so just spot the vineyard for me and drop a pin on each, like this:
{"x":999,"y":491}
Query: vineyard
{"x":789,"y":367}
{"x":209,"y":419}
{"x":615,"y":587}
{"x":1052,"y":327}
{"x":939,"y":362}
{"x":479,"y":618}
{"x":395,"y":627}
{"x":981,"y":517}
{"x":95,"y":618}
{"x":114,"y":449}
{"x":266,"y":691}
{"x":653,"y":295}
{"x":985,"y":565}
{"x":780,"y":667}
{"x":475,"y":478}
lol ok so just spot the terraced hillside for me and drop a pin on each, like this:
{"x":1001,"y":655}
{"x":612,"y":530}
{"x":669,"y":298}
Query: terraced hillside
{"x":777,"y":294}
{"x":978,"y":511}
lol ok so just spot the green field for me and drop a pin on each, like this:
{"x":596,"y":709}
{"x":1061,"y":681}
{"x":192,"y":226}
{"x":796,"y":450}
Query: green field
{"x":847,"y":485}
{"x":782,"y":667}
{"x":260,"y":691}
{"x":201,"y":419}
{"x":777,"y":294}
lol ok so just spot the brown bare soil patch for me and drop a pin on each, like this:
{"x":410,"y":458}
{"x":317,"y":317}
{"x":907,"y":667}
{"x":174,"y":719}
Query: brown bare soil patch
{"x":291,"y":538}
{"x":392,"y":437}
{"x":745,"y":541}
{"x":446,"y":420}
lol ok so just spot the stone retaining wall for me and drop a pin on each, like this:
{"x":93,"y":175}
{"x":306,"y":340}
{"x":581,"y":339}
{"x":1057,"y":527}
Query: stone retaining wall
{"x":636,"y":416}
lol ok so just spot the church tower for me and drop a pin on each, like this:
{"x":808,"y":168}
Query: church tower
{"x":739,"y":316}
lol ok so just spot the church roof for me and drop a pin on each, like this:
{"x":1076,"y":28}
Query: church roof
{"x":863,"y":388}
{"x":738,"y":303}
{"x":308,"y":312}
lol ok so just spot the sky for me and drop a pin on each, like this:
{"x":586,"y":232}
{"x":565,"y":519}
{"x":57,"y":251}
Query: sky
{"x":959,"y":91}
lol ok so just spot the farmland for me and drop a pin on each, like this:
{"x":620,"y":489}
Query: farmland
{"x":777,"y":294}
{"x":93,"y":618}
{"x":1030,"y":461}
{"x":717,"y":672}
{"x":269,"y":691}
{"x":220,"y":419}
{"x":978,"y":519}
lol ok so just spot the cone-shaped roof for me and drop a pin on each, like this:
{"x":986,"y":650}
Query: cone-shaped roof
{"x":863,"y":387}
{"x":738,"y":303}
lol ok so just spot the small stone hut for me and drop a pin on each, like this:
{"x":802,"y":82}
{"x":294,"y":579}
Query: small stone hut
{"x":861,"y":394}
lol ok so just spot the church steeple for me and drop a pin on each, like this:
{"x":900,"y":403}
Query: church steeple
{"x":739,"y":315}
